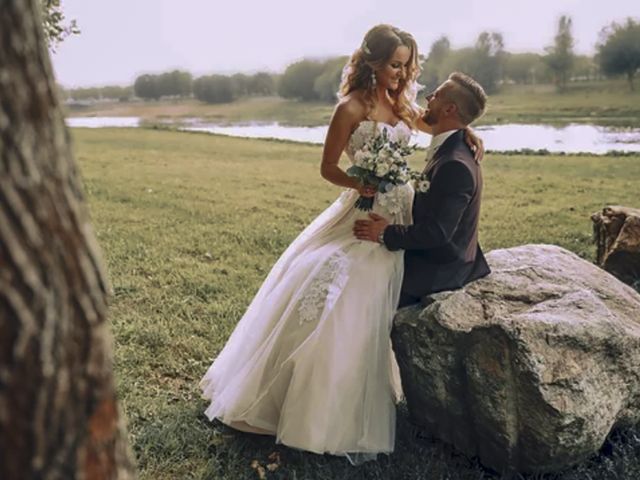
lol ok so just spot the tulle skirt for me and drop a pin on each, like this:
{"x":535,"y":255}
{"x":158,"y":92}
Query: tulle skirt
{"x":310,"y":361}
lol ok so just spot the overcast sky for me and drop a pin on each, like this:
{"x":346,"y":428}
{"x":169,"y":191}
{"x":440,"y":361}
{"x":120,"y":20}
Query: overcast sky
{"x":121,"y":39}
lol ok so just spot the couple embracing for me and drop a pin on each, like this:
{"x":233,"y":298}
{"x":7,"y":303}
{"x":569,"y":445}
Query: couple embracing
{"x":311,"y":362}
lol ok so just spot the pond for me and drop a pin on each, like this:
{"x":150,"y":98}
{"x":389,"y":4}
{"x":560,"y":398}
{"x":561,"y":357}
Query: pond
{"x":573,"y":138}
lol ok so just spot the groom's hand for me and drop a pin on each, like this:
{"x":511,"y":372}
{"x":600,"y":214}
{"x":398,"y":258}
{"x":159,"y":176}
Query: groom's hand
{"x":370,"y":229}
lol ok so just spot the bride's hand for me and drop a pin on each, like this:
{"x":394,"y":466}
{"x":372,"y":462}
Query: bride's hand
{"x":365,"y":190}
{"x":475,"y":144}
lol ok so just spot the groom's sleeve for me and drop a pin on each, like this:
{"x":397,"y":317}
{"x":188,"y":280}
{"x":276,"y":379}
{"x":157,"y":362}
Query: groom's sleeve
{"x":451,"y":190}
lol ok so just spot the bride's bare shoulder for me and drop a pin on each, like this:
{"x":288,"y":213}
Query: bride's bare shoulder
{"x":352,"y":107}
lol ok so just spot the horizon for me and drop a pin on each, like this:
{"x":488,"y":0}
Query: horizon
{"x":178,"y":36}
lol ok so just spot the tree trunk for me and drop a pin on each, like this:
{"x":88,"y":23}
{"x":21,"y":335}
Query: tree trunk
{"x":630,"y":75}
{"x":616,"y":232}
{"x":59,"y":418}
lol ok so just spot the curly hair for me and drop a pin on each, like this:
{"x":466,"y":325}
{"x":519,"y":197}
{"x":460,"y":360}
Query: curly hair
{"x":377,"y":49}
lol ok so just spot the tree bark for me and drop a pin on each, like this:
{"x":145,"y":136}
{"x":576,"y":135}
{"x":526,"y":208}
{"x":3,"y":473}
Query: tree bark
{"x":59,"y":417}
{"x":616,"y":232}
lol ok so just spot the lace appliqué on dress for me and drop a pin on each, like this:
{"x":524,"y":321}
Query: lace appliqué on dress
{"x":324,"y":290}
{"x":393,"y":202}
{"x":359,"y":137}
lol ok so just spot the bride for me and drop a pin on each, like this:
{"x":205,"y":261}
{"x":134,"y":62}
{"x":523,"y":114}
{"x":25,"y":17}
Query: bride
{"x":310,"y":362}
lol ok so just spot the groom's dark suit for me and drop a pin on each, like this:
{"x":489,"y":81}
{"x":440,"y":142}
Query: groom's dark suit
{"x":441,"y":247}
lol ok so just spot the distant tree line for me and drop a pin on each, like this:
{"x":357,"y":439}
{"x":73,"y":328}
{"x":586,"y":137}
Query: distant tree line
{"x":111,"y":92}
{"x":169,"y":84}
{"x":618,"y":53}
{"x":223,"y":88}
{"x":488,"y":62}
{"x":312,"y":79}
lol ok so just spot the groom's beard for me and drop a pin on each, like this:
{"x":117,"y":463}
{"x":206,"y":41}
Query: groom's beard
{"x":430,"y":117}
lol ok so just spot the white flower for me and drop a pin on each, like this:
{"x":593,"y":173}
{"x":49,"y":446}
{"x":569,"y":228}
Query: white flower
{"x":359,"y":158}
{"x":422,"y":186}
{"x":382,"y":169}
{"x":384,"y":154}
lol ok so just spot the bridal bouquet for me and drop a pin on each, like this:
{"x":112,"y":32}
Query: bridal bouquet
{"x":382,"y":164}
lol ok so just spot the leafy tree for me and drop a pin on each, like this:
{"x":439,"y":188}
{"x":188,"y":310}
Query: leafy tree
{"x":121,"y":93}
{"x":147,"y":87}
{"x":169,"y":84}
{"x":439,"y":50}
{"x":525,"y":68}
{"x":214,"y":89}
{"x":54,"y":24}
{"x":432,"y":73}
{"x":484,"y":62}
{"x":462,"y":59}
{"x":560,"y":56}
{"x":327,"y":83}
{"x":488,"y":61}
{"x":240,"y":84}
{"x":299,"y":78}
{"x":109,"y":92}
{"x":175,"y":84}
{"x":262,"y":83}
{"x":585,"y":68}
{"x":619,"y":50}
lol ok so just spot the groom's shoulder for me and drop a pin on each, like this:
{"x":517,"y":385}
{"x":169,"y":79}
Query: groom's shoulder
{"x":457,"y":150}
{"x":459,"y":165}
{"x":460,"y":148}
{"x":460,"y":152}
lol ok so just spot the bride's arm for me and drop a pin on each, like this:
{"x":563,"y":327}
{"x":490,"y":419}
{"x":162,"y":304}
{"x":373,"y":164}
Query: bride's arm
{"x":344,"y":120}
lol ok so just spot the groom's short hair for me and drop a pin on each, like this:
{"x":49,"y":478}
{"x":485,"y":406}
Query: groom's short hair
{"x":469,"y":97}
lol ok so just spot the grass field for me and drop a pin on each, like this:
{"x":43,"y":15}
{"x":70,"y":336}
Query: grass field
{"x":190,"y":225}
{"x":606,"y":103}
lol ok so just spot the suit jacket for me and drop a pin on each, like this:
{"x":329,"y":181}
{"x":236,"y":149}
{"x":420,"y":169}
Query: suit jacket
{"x":441,"y":247}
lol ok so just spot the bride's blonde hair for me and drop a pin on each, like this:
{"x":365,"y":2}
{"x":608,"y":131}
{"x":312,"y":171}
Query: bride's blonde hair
{"x":377,"y":49}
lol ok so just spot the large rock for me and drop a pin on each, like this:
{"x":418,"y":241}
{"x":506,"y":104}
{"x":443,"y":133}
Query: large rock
{"x":616,"y":232}
{"x":530,"y":367}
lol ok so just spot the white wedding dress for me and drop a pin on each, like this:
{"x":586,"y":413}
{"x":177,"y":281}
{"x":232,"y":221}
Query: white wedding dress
{"x":311,"y":361}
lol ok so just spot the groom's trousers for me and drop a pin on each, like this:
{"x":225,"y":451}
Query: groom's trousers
{"x":406,"y":300}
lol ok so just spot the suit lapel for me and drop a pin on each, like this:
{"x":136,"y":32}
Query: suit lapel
{"x":442,"y":152}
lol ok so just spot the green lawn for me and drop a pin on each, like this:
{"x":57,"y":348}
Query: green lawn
{"x":606,"y":103}
{"x":190,"y":225}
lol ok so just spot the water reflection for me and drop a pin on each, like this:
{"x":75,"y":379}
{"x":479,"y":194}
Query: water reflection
{"x":103,"y":122}
{"x":570,"y":139}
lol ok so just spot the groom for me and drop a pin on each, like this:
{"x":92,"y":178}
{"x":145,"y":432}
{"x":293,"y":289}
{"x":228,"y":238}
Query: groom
{"x":441,"y":247}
